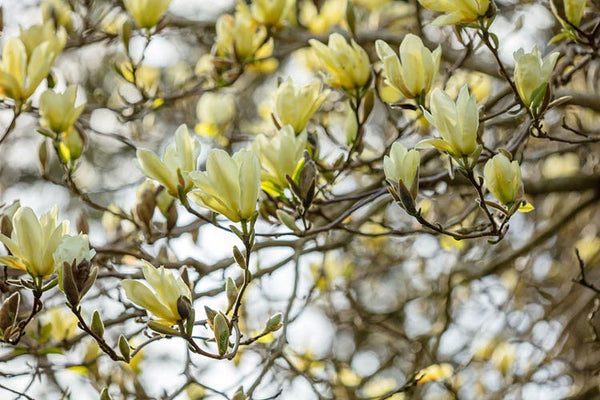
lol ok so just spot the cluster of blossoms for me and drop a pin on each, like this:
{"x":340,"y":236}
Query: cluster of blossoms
{"x":282,"y":162}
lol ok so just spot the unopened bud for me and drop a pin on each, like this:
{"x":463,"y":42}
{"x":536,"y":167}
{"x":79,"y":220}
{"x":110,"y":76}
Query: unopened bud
{"x":232,"y":293}
{"x":274,"y":323}
{"x":124,"y":348}
{"x":184,"y":306}
{"x":239,"y":258}
{"x":221,"y":330}
{"x":97,"y":324}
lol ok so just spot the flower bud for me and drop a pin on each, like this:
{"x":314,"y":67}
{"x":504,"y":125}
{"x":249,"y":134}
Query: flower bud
{"x":532,"y":76}
{"x":184,"y":306}
{"x":221,"y":330}
{"x":9,"y":312}
{"x":232,"y":293}
{"x":402,"y":166}
{"x":124,"y":348}
{"x":503,"y":179}
{"x":274,"y":323}
{"x":97,"y":325}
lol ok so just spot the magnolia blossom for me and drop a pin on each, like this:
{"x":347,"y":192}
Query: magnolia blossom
{"x":279,"y":155}
{"x":147,"y":13}
{"x":503,"y":179}
{"x":33,"y":242}
{"x":230,"y":185}
{"x":58,"y":110}
{"x":532,"y":73}
{"x":346,"y":66}
{"x":73,"y":248}
{"x":240,"y":37}
{"x":26,"y":60}
{"x":402,"y":166}
{"x":270,"y":12}
{"x":415,"y":75}
{"x":178,"y":161}
{"x":457,"y":122}
{"x":162,"y":296}
{"x":458,"y":10}
{"x":295,"y":106}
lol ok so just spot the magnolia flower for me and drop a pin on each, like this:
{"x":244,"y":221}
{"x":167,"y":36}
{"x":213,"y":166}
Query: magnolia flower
{"x":402,"y":166}
{"x":163,"y":299}
{"x":457,"y":122}
{"x":532,"y":74}
{"x":26,"y":60}
{"x":322,"y":19}
{"x":58,"y":110}
{"x":33,"y":242}
{"x":458,"y":11}
{"x":240,"y":37}
{"x":147,"y":13}
{"x":279,"y":155}
{"x":73,"y":248}
{"x":36,"y":35}
{"x":418,"y":69}
{"x":58,"y":11}
{"x":270,"y":12}
{"x":230,"y":185}
{"x":503,"y":179}
{"x":295,"y":106}
{"x":214,"y":111}
{"x":346,"y":66}
{"x":178,"y":161}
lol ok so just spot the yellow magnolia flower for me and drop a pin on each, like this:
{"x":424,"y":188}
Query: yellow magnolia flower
{"x":532,"y":74}
{"x":346,"y":66}
{"x":147,"y":13}
{"x":33,"y":242}
{"x":214,"y":111}
{"x":457,"y":122}
{"x":58,"y":11}
{"x":58,"y":110}
{"x":295,"y":106}
{"x":163,"y":298}
{"x":230,"y":185}
{"x":279,"y":155}
{"x":503,"y":179}
{"x":241,"y":38}
{"x":26,"y":60}
{"x":402,"y":166}
{"x":319,"y":21}
{"x":178,"y":161}
{"x":458,"y":11}
{"x":414,"y":76}
{"x":36,"y":35}
{"x":270,"y":12}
